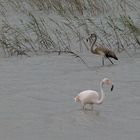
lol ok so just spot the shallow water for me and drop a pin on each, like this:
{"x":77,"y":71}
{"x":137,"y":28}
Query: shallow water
{"x":36,"y":99}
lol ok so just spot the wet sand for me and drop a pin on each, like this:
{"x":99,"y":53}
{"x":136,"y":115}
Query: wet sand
{"x":36,"y":99}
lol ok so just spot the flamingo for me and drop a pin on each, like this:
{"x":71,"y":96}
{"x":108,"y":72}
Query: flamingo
{"x":93,"y":97}
{"x":104,"y":52}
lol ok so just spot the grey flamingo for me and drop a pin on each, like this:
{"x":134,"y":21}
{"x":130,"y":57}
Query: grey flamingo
{"x":104,"y":52}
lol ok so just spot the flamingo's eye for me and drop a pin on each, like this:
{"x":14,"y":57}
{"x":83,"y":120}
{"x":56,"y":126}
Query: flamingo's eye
{"x":108,"y":81}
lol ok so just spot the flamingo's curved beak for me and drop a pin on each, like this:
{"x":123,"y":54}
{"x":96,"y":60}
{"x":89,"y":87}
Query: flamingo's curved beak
{"x":112,"y":87}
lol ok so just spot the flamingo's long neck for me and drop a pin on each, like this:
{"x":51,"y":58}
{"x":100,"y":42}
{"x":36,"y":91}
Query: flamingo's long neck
{"x":92,"y":45}
{"x":101,"y":95}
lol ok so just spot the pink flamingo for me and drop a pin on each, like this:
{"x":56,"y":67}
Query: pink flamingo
{"x":93,"y":97}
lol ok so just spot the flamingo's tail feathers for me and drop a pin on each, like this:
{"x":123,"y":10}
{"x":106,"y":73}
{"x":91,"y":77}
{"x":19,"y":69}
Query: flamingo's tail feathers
{"x":77,"y":98}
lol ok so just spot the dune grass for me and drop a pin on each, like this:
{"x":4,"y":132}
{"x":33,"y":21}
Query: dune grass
{"x":62,"y":26}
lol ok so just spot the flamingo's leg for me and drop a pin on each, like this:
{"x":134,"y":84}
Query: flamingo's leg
{"x":103,"y":61}
{"x":110,"y":60}
{"x":91,"y":106}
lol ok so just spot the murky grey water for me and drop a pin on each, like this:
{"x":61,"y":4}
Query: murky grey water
{"x":36,"y":99}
